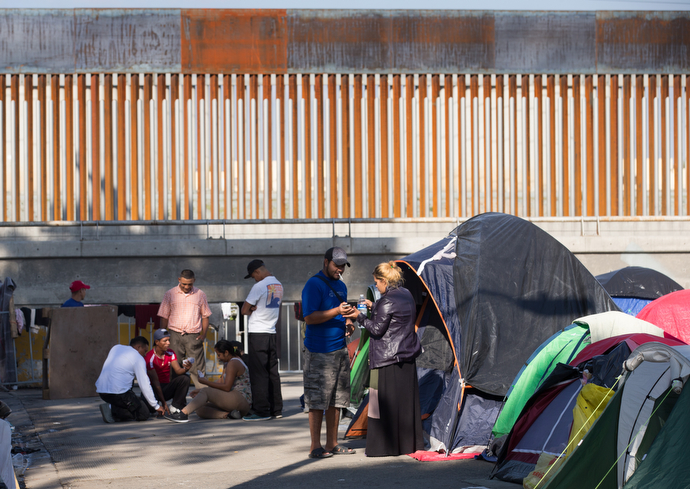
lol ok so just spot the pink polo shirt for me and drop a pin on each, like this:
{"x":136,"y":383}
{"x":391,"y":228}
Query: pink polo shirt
{"x":184,"y":311}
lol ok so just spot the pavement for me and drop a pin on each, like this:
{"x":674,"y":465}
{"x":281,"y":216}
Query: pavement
{"x":76,"y":449}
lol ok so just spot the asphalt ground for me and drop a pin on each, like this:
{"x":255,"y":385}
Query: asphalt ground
{"x":76,"y":449}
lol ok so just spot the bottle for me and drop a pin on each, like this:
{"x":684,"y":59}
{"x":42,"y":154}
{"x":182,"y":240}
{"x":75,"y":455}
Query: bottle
{"x":362,"y":305}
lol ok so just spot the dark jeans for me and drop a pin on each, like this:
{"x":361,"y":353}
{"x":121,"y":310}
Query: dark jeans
{"x":267,"y":400}
{"x":127,"y":406}
{"x":176,"y":390}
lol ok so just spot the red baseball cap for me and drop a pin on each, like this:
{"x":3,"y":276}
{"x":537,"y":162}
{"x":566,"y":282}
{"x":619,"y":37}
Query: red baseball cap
{"x":78,"y":285}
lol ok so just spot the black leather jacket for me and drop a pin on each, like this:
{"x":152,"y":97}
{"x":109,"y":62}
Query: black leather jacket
{"x":393,"y":338}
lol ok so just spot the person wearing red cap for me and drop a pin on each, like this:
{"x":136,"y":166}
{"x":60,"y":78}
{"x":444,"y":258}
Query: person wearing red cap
{"x":78,"y":289}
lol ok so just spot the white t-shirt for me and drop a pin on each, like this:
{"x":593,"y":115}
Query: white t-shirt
{"x":267,"y":296}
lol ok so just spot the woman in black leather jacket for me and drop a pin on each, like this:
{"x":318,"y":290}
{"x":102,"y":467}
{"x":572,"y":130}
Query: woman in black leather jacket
{"x":395,"y":423}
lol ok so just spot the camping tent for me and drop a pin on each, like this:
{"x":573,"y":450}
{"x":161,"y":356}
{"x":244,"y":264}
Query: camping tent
{"x":632,"y":288}
{"x":489,"y":294}
{"x":638,"y":441}
{"x":671,"y":313}
{"x":562,"y":348}
{"x":545,"y":423}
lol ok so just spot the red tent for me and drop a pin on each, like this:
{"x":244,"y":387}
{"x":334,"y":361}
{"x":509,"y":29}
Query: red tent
{"x":671,"y":313}
{"x":633,"y":340}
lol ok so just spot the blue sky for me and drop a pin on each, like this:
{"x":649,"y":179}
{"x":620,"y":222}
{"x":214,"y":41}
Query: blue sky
{"x":359,"y":4}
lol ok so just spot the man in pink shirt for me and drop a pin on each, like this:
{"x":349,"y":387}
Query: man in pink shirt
{"x":185,"y":312}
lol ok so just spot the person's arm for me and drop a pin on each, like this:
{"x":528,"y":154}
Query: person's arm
{"x":145,"y":385}
{"x":318,"y":317}
{"x":204,"y":328}
{"x":248,"y":308}
{"x":380,"y":317}
{"x":164,"y":311}
{"x":227,"y":380}
{"x":156,"y":385}
{"x":255,"y":295}
{"x":180,"y":369}
{"x":205,"y":314}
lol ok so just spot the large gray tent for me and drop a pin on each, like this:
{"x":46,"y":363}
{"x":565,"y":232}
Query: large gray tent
{"x":502,"y":286}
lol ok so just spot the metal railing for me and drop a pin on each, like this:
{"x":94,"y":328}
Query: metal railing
{"x":171,"y":146}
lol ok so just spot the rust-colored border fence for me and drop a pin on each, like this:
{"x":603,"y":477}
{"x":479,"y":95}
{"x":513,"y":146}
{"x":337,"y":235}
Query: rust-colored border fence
{"x":206,"y":146}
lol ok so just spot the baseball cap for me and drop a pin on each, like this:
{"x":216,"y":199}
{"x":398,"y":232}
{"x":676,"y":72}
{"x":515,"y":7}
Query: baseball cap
{"x":78,"y":285}
{"x":253,"y":266}
{"x":160,"y":334}
{"x":337,"y":256}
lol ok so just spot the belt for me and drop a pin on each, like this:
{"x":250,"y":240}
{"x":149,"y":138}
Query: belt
{"x":182,"y":333}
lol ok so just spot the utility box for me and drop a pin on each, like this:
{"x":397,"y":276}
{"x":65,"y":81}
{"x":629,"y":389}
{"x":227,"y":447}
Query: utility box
{"x":78,"y":342}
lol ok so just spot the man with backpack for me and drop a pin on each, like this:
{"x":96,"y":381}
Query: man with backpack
{"x":326,"y":361}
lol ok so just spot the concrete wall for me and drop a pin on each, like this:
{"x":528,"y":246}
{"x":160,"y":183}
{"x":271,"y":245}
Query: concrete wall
{"x":136,"y":263}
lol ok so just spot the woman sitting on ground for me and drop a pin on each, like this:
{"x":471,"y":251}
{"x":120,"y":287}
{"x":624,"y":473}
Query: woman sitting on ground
{"x":231,"y":397}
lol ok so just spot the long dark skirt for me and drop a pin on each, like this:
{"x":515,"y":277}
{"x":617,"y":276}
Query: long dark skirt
{"x":398,"y":431}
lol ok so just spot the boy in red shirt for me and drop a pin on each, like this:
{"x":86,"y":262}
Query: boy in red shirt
{"x":161,"y":361}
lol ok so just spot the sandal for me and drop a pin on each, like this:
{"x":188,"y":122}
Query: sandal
{"x":341,"y":450}
{"x":320,"y":453}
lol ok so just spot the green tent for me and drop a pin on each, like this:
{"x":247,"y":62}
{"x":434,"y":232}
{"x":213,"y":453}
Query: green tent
{"x":560,"y":348}
{"x":639,"y":441}
{"x":563,"y":347}
{"x":359,"y":370}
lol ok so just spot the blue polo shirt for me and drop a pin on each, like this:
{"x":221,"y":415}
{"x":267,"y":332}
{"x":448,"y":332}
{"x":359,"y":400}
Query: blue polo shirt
{"x":72,"y":303}
{"x":317,"y":296}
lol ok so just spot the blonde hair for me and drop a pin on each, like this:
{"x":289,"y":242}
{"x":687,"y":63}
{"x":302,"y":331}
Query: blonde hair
{"x":390,"y":272}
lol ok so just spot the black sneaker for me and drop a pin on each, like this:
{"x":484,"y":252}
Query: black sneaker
{"x":178,"y":417}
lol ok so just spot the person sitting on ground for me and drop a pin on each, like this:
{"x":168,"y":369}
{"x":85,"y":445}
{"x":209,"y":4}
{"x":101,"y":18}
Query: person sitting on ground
{"x":114,"y":385}
{"x":161,"y":362}
{"x":78,"y":289}
{"x":232,"y":395}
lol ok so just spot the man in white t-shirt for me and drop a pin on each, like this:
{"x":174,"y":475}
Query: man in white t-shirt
{"x":263,"y":309}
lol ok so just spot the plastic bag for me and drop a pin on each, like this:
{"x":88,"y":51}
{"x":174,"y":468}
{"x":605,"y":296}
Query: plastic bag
{"x":20,"y":463}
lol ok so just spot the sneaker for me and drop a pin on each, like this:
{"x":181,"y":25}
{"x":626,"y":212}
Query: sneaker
{"x":178,"y":417}
{"x":277,"y":416}
{"x":256,"y":417}
{"x":106,"y":413}
{"x":235,"y":414}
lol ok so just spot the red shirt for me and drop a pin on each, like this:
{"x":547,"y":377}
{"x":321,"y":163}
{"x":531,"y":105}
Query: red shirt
{"x":160,"y":365}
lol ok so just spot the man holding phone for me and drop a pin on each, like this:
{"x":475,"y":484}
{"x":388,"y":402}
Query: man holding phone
{"x":161,"y":362}
{"x":326,"y":362}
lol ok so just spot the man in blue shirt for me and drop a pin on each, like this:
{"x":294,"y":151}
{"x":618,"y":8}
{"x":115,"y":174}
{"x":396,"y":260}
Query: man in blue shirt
{"x":78,"y":289}
{"x":326,"y":362}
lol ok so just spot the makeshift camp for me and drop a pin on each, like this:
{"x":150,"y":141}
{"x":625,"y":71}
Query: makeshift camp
{"x":638,"y":441}
{"x":488,"y":295}
{"x":632,"y":288}
{"x":544,"y":426}
{"x":563,"y":348}
{"x":671,"y":313}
